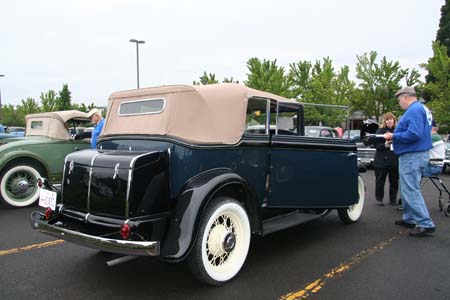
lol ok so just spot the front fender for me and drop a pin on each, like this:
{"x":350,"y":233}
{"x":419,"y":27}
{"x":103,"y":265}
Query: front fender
{"x":190,"y":205}
{"x":5,"y":158}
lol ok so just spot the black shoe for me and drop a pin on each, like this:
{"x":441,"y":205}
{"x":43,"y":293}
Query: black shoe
{"x":421,"y":231}
{"x":393,"y":203}
{"x":380,"y":203}
{"x":400,"y":207}
{"x":404,"y":224}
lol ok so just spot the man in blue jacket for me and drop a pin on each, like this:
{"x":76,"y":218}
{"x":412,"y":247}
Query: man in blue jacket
{"x":412,"y":141}
{"x":96,"y":118}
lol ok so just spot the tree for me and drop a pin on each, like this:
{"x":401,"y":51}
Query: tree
{"x":231,"y":80}
{"x":321,"y":84}
{"x":267,"y":76}
{"x":48,"y":101}
{"x":28,"y":106}
{"x":206,"y":79}
{"x":379,"y":82}
{"x":439,"y":67}
{"x":9,"y":116}
{"x":412,"y":78}
{"x":443,"y":37}
{"x":64,"y":99}
{"x":300,"y":74}
{"x":443,"y":33}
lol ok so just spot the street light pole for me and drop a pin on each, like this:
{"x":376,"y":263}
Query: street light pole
{"x":137,"y":56}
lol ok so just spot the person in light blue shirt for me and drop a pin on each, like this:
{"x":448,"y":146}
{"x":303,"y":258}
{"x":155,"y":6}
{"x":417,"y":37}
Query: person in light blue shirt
{"x":411,"y":140}
{"x":96,"y":118}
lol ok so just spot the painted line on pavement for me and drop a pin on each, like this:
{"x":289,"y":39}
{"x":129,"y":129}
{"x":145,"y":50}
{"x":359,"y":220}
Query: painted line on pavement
{"x":315,"y":286}
{"x":30,"y":247}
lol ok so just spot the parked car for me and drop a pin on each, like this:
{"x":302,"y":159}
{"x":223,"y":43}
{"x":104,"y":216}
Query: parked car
{"x":16,"y":131}
{"x":168,"y":179}
{"x":366,"y":150}
{"x":40,"y":153}
{"x":6,"y":136}
{"x":321,"y":131}
{"x":354,"y":135}
{"x":3,"y":134}
{"x":447,"y":156}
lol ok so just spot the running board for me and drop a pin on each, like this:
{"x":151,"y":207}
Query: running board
{"x":286,"y":221}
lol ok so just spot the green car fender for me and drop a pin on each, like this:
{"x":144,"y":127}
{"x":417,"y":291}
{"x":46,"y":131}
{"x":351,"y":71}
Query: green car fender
{"x":21,"y":154}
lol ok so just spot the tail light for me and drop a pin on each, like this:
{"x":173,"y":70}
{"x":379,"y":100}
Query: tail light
{"x":48,"y":213}
{"x":125,"y":231}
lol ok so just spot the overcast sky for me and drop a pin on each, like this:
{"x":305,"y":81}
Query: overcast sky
{"x":85,"y":44}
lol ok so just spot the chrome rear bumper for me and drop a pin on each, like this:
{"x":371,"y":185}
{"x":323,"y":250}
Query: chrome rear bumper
{"x":150,"y":248}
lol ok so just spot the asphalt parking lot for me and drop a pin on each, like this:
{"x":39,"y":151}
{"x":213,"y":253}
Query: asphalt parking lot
{"x":324,"y":259}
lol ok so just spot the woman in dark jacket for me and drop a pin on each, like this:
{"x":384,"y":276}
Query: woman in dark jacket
{"x":385,"y":162}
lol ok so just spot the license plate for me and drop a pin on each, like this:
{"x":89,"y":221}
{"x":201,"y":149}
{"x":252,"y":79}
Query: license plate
{"x":47,"y":199}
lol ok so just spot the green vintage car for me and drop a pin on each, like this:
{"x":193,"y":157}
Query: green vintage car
{"x":40,"y":153}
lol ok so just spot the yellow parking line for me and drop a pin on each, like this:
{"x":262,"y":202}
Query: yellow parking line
{"x":337,"y":272}
{"x":30,"y":247}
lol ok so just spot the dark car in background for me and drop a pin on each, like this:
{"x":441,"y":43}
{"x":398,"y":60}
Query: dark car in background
{"x":321,"y":131}
{"x":366,"y":150}
{"x":168,"y":179}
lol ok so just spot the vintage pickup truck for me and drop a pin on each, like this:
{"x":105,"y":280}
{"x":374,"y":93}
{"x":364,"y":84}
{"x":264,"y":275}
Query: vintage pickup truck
{"x":177,"y":175}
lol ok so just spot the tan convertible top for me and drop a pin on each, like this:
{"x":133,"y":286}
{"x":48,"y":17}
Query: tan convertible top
{"x":206,"y":114}
{"x":51,"y":124}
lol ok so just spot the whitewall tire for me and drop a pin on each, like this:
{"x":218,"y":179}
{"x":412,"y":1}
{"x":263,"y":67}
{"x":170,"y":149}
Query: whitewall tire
{"x":18,"y":185}
{"x":221,"y":247}
{"x":351,"y":215}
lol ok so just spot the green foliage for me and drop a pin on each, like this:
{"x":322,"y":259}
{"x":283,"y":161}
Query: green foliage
{"x":321,"y":84}
{"x":9,"y":115}
{"x":267,"y":76}
{"x":48,"y":101}
{"x":211,"y":79}
{"x":206,"y":79}
{"x":379,"y":82}
{"x":443,"y":33}
{"x":300,"y":74}
{"x":413,"y":78}
{"x":438,"y":67}
{"x":231,"y":80}
{"x":64,"y":99}
{"x":28,"y":106}
{"x":15,"y":115}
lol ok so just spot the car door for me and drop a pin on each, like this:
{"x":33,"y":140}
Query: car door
{"x":309,"y":172}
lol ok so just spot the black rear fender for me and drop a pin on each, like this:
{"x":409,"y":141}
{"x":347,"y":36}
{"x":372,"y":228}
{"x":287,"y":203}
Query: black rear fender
{"x":192,"y":201}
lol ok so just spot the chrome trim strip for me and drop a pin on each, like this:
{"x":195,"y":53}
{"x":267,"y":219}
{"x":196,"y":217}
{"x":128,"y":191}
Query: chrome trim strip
{"x":116,"y":171}
{"x":86,"y":217}
{"x":62,"y":179}
{"x":127,"y":200}
{"x":147,"y":248}
{"x":88,"y":204}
